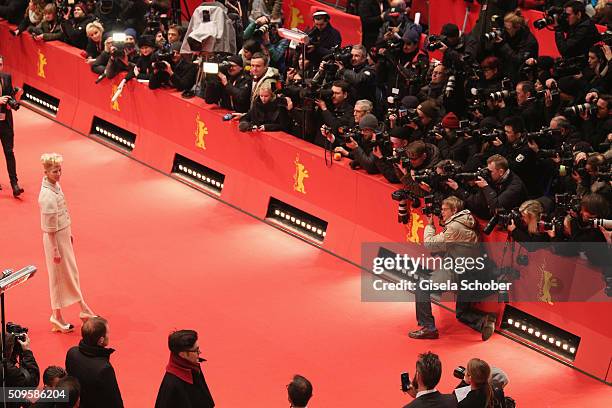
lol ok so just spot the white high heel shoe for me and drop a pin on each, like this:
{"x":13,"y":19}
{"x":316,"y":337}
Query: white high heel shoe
{"x":57,"y":326}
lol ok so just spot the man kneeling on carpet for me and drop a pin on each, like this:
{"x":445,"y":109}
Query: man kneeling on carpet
{"x":184,"y":384}
{"x":458,"y":239}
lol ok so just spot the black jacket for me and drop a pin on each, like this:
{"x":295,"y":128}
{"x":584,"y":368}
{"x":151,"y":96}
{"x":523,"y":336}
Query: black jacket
{"x":434,"y":400}
{"x":182,"y":79}
{"x":7,"y":89}
{"x":74,"y":31}
{"x":578,"y":39}
{"x":13,"y":10}
{"x":91,"y":366}
{"x":272,"y":115}
{"x":338,"y":116}
{"x":235,"y":96}
{"x":369,"y":13}
{"x":362,"y":79}
{"x":26,"y":375}
{"x":523,"y":162}
{"x":514,"y":51}
{"x":324,"y":41}
{"x":174,"y":393}
{"x":508,"y":194}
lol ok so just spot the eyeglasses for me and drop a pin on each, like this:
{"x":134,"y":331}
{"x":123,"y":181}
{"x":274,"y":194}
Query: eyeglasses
{"x":195,"y":350}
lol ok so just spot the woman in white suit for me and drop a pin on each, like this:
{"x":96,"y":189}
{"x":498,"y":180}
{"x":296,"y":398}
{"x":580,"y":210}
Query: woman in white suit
{"x":64,"y":285}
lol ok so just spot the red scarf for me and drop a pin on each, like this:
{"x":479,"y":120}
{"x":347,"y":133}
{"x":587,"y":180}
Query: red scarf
{"x":181,"y":368}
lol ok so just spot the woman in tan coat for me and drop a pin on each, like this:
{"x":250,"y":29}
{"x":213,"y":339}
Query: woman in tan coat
{"x":64,"y":283}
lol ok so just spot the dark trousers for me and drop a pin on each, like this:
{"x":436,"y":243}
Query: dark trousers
{"x":8,"y":138}
{"x":464,"y":311}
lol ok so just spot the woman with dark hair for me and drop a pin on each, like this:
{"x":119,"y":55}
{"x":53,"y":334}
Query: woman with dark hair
{"x":598,"y":73}
{"x":184,"y":384}
{"x":481,"y":395}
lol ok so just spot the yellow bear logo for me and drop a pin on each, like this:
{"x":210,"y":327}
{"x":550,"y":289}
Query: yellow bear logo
{"x":115,"y":103}
{"x":413,"y":228}
{"x":200,"y":133}
{"x":42,"y":61}
{"x":296,"y":16}
{"x":300,"y":175}
{"x":547,"y":282}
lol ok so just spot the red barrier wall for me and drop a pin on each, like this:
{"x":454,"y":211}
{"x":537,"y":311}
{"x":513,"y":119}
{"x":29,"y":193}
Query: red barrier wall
{"x":356,"y":206}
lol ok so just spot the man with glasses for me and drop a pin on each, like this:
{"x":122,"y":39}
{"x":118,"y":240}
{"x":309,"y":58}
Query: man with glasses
{"x":580,"y":33}
{"x":7,"y":136}
{"x":362,"y":108}
{"x":184,"y":384}
{"x":341,"y":112}
{"x":458,"y":239}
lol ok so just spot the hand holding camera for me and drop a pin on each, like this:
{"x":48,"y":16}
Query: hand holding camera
{"x":24,"y":341}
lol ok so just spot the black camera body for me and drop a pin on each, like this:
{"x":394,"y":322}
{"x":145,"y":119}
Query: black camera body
{"x":159,"y":58}
{"x":502,"y":219}
{"x":16,"y":330}
{"x":435,"y":42}
{"x":459,"y":373}
{"x":589,"y":107}
{"x":550,"y":15}
{"x":432,"y":206}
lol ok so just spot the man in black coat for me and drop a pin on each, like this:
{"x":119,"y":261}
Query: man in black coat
{"x":7,"y":136}
{"x":231,"y":91}
{"x":323,"y":38}
{"x":90,"y":363}
{"x":504,"y":189}
{"x":184,"y":384}
{"x":371,"y":21}
{"x":580,"y":34}
{"x":423,"y":387}
{"x":13,"y":10}
{"x":21,"y":368}
{"x":180,"y":74}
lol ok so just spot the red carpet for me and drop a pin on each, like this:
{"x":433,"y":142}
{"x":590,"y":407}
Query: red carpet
{"x":156,"y":255}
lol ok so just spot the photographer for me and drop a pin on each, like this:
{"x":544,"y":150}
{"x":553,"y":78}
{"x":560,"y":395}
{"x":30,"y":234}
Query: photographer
{"x":266,"y":34}
{"x":527,"y":107}
{"x":451,"y":145}
{"x":423,"y":386}
{"x":231,"y":91}
{"x":74,"y":28}
{"x":341,"y":112}
{"x":389,"y":167}
{"x":434,"y":90}
{"x":267,"y":113}
{"x":360,"y":75}
{"x":323,"y":38}
{"x":453,"y":46}
{"x":178,"y":74}
{"x":504,"y":189}
{"x":49,"y":29}
{"x":575,"y":36}
{"x":459,"y":238}
{"x":589,"y":181}
{"x":122,"y":56}
{"x":22,"y":369}
{"x":515,"y":45}
{"x":481,"y":394}
{"x":361,"y":150}
{"x":8,"y":103}
{"x":401,"y":65}
{"x":596,"y":127}
{"x":428,"y":114}
{"x":522,"y":156}
{"x":527,"y":231}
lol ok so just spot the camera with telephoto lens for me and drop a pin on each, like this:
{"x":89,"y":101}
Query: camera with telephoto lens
{"x":345,"y":133}
{"x":406,"y":195}
{"x":261,"y":30}
{"x":544,"y":133}
{"x":551,"y":223}
{"x":502,"y":219}
{"x":432,"y":206}
{"x":491,"y":135}
{"x":550,"y":15}
{"x":338,"y":54}
{"x":435,"y":42}
{"x":491,"y":36}
{"x":480,"y":173}
{"x":589,"y":107}
{"x":399,"y":157}
{"x":159,"y":58}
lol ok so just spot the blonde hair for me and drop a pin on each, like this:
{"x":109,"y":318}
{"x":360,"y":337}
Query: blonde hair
{"x":535,"y":209}
{"x":49,"y":160}
{"x":516,"y":18}
{"x":94,"y":25}
{"x":454,"y":203}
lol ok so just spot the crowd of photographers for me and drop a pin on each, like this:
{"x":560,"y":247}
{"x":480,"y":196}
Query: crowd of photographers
{"x":493,"y":123}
